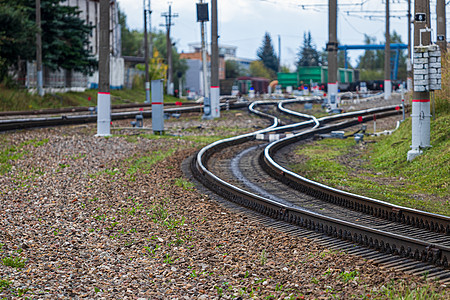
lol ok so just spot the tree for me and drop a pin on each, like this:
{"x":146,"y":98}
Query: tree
{"x":257,"y":69}
{"x":65,"y":37}
{"x":308,"y":55}
{"x":157,"y":69}
{"x":233,"y":69}
{"x":132,"y":41}
{"x":17,"y":37}
{"x":371,"y":63}
{"x":179,"y":66}
{"x":267,"y":55}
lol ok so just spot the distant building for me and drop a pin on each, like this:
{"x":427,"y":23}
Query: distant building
{"x":194,"y":74}
{"x":229,"y":53}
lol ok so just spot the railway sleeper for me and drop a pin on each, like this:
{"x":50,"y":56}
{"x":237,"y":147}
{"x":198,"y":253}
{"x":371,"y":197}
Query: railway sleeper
{"x":391,"y":215}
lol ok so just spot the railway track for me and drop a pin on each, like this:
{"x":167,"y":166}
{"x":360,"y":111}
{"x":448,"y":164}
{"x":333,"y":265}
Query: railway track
{"x":236,"y":169}
{"x":71,"y":117}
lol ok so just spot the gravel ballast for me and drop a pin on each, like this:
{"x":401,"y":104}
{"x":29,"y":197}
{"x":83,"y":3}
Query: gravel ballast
{"x":114,"y":218}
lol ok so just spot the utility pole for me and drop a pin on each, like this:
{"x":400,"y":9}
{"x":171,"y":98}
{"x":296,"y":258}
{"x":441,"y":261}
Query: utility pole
{"x":441,"y":25}
{"x":104,"y":97}
{"x":168,"y":24}
{"x":215,"y":85}
{"x":409,"y":59}
{"x":279,"y":53}
{"x":421,"y":115}
{"x":332,"y":48}
{"x":39,"y":81}
{"x":387,"y":58}
{"x":148,"y":12}
{"x":202,"y":17}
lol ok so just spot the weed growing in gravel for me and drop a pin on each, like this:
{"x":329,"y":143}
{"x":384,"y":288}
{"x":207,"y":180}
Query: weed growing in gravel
{"x":4,"y":284}
{"x":348,"y":276}
{"x":186,"y":185}
{"x":315,"y":280}
{"x":402,"y":291}
{"x":263,"y":257}
{"x":145,"y":164}
{"x":219,"y":291}
{"x":16,"y":262}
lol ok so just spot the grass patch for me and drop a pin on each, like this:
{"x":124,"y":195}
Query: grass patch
{"x":13,"y":99}
{"x":11,"y":153}
{"x":16,"y":262}
{"x":403,"y":292}
{"x":382,"y":171}
{"x":144,"y":164}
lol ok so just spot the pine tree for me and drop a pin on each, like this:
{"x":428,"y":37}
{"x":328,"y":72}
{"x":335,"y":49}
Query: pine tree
{"x":17,"y":37}
{"x":267,"y":55}
{"x":308,"y":55}
{"x":65,"y":37}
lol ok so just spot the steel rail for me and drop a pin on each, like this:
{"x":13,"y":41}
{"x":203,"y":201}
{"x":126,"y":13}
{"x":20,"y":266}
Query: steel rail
{"x":373,"y":238}
{"x":409,"y":216}
{"x":23,"y":123}
{"x":48,"y":111}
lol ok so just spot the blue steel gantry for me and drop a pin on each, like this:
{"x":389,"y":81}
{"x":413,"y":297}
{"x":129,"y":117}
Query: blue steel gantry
{"x":394,"y":60}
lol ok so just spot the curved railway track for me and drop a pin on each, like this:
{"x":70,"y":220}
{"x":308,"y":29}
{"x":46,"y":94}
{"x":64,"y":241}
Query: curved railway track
{"x":236,"y":169}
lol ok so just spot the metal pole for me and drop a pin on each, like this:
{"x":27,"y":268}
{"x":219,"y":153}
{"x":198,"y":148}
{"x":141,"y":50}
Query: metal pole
{"x":332,"y":48}
{"x":146,"y":57}
{"x":387,"y":58}
{"x":39,"y":79}
{"x":408,"y":60}
{"x":204,"y":60}
{"x":215,"y":84}
{"x":441,"y":26}
{"x":104,"y":97}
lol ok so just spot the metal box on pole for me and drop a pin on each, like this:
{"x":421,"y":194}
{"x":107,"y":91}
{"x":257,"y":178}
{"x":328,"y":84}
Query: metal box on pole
{"x":157,"y":106}
{"x":202,"y":12}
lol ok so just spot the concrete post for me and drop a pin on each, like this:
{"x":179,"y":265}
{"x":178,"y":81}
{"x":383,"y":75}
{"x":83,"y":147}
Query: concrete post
{"x":421,"y":96}
{"x":215,"y":84}
{"x":441,"y":25}
{"x":387,"y":58}
{"x":332,"y":48}
{"x":39,"y":79}
{"x":104,"y":97}
{"x":408,"y":60}
{"x":147,"y":83}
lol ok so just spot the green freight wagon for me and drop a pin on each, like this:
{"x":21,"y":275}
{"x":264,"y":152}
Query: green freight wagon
{"x":319,"y":74}
{"x":288,"y":79}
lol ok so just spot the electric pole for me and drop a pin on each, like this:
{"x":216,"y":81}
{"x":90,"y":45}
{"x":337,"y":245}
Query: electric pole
{"x":39,"y":79}
{"x":332,"y":48}
{"x":408,"y":60}
{"x":168,"y":24}
{"x":148,"y":12}
{"x":279,"y":53}
{"x":387,"y":58}
{"x":421,"y":115}
{"x":104,"y":97}
{"x":441,"y":25}
{"x":215,"y":88}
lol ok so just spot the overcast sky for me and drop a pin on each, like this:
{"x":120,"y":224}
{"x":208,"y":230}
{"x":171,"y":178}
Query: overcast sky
{"x":242,"y":23}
